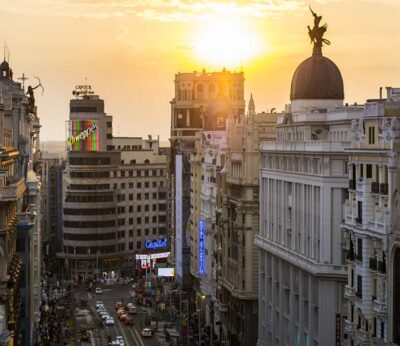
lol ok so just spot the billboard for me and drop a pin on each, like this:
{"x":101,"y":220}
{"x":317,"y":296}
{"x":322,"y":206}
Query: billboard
{"x":168,"y":272}
{"x":83,"y":135}
{"x":178,"y":217}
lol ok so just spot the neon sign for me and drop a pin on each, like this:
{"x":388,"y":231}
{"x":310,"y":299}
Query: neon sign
{"x":202,"y":264}
{"x":83,"y":135}
{"x":156,"y":244}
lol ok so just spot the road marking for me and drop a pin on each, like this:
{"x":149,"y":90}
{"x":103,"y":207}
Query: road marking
{"x":136,"y":336}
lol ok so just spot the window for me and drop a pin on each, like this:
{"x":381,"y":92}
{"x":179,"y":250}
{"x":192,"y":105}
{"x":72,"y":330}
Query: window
{"x":139,"y":208}
{"x":139,"y":232}
{"x":146,"y":220}
{"x":131,"y":245}
{"x":131,"y":232}
{"x":131,"y":221}
{"x":131,"y":208}
{"x":154,"y":184}
{"x":154,"y":172}
{"x":138,"y":220}
{"x":154,"y":207}
{"x":139,"y":185}
{"x":371,"y":135}
{"x":146,"y":184}
{"x":138,"y":173}
{"x":138,"y":244}
{"x":131,"y":185}
{"x":131,"y":196}
{"x":369,"y":171}
{"x":139,"y":196}
{"x":359,"y":286}
{"x":146,"y":196}
{"x":146,"y":207}
{"x":154,"y":195}
{"x":146,"y":231}
{"x":146,"y":173}
{"x":154,"y":219}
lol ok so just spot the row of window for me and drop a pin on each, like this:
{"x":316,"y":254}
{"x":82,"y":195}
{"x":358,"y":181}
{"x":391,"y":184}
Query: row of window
{"x":89,"y":198}
{"x":89,"y":224}
{"x":90,"y":187}
{"x":90,"y":237}
{"x":139,"y":185}
{"x":161,"y":195}
{"x":84,"y":211}
{"x":146,"y":207}
{"x":161,"y":219}
{"x":89,"y":174}
{"x":89,"y":161}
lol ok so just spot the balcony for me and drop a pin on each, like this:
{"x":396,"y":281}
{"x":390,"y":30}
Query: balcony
{"x":349,"y":327}
{"x":383,"y":188}
{"x":380,"y":307}
{"x":373,"y":263}
{"x":382,"y":267}
{"x":13,"y":191}
{"x":349,"y":292}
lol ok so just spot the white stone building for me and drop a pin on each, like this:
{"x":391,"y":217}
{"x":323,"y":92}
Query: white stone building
{"x":303,"y":186}
{"x":371,"y":225}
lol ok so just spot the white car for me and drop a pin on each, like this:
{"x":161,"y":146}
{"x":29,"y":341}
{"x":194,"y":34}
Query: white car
{"x":99,"y":303}
{"x":105,"y":317}
{"x":110,"y":321}
{"x":120,"y":340}
{"x":98,"y":290}
{"x":146,"y":332}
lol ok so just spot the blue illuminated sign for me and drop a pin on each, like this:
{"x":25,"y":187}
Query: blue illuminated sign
{"x":155,"y":244}
{"x":202,"y":262}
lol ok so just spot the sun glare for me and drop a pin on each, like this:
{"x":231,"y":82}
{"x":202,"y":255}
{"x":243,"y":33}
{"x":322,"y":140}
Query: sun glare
{"x":226,"y":42}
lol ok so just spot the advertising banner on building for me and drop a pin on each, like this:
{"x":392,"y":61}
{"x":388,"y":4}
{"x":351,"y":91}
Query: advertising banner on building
{"x":166,"y":272}
{"x":202,"y":239}
{"x":83,"y":135}
{"x":178,"y":218}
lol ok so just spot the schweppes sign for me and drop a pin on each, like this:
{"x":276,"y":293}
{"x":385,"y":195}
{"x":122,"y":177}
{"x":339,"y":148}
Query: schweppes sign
{"x":83,"y":136}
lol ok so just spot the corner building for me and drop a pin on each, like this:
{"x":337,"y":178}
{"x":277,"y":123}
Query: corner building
{"x":303,"y":186}
{"x":114,"y":193}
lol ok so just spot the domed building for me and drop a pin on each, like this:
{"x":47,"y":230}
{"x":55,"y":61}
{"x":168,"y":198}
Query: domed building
{"x":303,"y":183}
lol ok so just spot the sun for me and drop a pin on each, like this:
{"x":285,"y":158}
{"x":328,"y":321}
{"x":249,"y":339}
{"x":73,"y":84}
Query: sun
{"x":226,"y":42}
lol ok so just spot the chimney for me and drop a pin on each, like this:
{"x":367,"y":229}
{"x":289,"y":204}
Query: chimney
{"x":380,"y":93}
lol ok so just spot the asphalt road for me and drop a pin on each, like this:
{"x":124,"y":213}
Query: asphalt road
{"x":131,"y":334}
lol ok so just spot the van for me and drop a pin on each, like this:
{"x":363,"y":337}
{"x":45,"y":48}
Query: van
{"x":132,"y":309}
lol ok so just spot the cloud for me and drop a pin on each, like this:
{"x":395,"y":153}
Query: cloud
{"x":158,"y":10}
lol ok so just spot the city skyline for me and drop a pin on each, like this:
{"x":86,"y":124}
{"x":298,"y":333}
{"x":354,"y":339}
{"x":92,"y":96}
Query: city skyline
{"x":99,"y":41}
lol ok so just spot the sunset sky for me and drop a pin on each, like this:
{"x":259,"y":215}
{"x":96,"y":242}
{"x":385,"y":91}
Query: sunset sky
{"x":129,"y":51}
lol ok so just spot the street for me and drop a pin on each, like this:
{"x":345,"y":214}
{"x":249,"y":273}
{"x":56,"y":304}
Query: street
{"x":131,"y":334}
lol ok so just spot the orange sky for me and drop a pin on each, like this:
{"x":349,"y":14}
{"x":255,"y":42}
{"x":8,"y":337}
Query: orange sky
{"x":130,"y":50}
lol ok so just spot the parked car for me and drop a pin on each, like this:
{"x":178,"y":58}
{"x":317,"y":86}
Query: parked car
{"x":120,"y":312}
{"x":123,"y":317}
{"x":98,"y":290}
{"x":99,"y":303}
{"x":110,"y":321}
{"x":146,"y":332}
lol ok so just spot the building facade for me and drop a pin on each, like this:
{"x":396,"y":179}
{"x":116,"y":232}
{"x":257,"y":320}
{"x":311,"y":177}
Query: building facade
{"x":303,"y":186}
{"x":238,"y":224}
{"x":114,"y":193}
{"x":193,"y":94}
{"x":371,"y":225}
{"x":20,"y":233}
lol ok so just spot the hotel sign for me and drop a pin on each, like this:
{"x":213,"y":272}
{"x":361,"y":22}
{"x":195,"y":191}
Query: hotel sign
{"x":156,"y":244}
{"x":202,"y":262}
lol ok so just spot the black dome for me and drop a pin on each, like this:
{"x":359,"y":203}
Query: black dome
{"x":317,"y":78}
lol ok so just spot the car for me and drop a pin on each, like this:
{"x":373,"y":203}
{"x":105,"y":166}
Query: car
{"x":123,"y":317}
{"x":98,"y":290}
{"x":120,"y":312}
{"x":121,"y":340}
{"x":99,"y":303}
{"x":118,"y":305}
{"x":129,"y":321}
{"x":105,"y":317}
{"x":132,"y":309}
{"x":110,"y":321}
{"x":146,"y":333}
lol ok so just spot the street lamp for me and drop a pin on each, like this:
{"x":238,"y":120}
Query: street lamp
{"x":203,"y":297}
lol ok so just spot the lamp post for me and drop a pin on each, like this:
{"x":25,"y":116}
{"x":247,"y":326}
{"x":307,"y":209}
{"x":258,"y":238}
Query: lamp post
{"x":203,"y":297}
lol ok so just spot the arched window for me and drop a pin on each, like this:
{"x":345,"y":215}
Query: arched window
{"x":146,"y":161}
